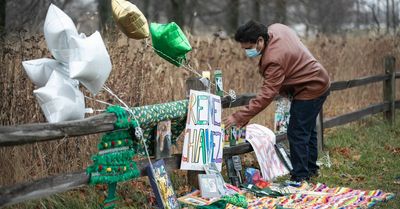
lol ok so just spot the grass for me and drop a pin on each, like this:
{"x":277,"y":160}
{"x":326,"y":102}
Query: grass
{"x":365,"y":155}
{"x":134,"y":194}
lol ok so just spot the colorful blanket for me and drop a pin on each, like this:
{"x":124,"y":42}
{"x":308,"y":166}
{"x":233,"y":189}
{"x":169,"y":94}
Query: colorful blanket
{"x":262,"y":140}
{"x":319,"y":196}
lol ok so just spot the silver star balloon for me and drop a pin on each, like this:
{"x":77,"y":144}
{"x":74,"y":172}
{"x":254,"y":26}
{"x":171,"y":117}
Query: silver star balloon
{"x":90,"y":62}
{"x":39,"y":70}
{"x":60,"y":100}
{"x":58,"y":28}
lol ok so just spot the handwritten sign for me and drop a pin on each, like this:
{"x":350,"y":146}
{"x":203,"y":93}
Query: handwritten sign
{"x":203,"y":142}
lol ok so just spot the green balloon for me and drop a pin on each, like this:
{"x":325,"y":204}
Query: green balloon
{"x":170,"y":42}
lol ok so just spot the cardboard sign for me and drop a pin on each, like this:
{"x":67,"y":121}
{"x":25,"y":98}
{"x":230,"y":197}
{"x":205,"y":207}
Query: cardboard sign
{"x":203,"y":141}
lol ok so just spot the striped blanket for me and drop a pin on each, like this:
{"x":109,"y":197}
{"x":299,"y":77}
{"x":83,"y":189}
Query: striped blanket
{"x":319,"y":196}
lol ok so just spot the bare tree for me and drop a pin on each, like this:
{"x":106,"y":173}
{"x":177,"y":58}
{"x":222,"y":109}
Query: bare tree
{"x":303,"y":14}
{"x":156,"y":10}
{"x":394,"y":18}
{"x":387,"y":16}
{"x":105,"y":14}
{"x":3,"y":4}
{"x":232,"y":15}
{"x":280,"y":11}
{"x":28,"y":15}
{"x":373,"y":8}
{"x":325,"y":16}
{"x":191,"y":15}
{"x":146,"y":8}
{"x":257,"y":10}
{"x":358,"y":15}
{"x":177,"y":12}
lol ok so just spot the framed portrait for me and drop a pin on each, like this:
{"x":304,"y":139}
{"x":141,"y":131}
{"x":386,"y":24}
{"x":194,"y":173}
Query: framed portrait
{"x":209,"y":185}
{"x":162,"y":186}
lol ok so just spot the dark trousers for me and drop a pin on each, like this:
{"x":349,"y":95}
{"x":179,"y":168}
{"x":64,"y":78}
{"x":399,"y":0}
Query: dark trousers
{"x":302,"y":136}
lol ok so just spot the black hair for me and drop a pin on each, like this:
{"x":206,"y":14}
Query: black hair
{"x":250,"y":32}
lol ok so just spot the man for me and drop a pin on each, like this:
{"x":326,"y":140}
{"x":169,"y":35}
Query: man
{"x":288,"y":69}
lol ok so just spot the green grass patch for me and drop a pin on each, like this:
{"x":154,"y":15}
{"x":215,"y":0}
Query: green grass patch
{"x":365,"y":155}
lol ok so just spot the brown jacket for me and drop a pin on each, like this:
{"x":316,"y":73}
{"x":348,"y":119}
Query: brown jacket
{"x":288,"y":68}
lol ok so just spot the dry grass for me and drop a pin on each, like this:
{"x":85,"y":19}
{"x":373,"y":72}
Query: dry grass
{"x":140,"y":77}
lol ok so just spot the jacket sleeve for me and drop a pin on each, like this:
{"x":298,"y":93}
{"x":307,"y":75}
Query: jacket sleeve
{"x":274,"y":76}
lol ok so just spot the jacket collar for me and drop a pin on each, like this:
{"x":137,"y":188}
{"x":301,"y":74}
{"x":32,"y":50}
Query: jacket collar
{"x":260,"y":67}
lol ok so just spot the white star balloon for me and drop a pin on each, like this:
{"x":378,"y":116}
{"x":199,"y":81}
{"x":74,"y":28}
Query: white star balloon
{"x":60,"y":100}
{"x":90,"y":62}
{"x":39,"y":70}
{"x":58,"y":30}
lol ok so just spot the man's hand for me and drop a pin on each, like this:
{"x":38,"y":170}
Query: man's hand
{"x":229,"y":121}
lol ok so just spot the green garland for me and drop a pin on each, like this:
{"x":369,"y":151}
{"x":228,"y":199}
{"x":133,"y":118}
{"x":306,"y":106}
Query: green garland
{"x":149,"y":116}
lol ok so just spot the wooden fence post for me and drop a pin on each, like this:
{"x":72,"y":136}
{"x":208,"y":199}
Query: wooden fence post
{"x":320,"y":131}
{"x":389,"y":89}
{"x":195,"y":84}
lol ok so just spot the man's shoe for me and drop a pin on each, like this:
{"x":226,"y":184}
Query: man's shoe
{"x":314,"y":174}
{"x":299,"y":179}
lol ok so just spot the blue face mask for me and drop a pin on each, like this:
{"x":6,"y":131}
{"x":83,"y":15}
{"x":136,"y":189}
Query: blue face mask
{"x":252,"y":52}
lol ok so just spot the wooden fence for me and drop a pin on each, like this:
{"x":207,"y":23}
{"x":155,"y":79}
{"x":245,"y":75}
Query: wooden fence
{"x":32,"y":133}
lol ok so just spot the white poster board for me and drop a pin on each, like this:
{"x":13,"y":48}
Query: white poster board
{"x":203,"y":141}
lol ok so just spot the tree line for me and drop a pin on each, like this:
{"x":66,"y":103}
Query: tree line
{"x":196,"y":16}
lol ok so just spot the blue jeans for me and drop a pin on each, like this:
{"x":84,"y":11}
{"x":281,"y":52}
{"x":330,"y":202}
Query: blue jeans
{"x":302,"y":136}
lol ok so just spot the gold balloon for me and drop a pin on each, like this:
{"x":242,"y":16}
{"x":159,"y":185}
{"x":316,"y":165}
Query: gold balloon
{"x":130,"y":19}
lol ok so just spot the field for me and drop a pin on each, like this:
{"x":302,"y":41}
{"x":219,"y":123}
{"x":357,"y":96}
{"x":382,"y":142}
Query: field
{"x":140,"y":77}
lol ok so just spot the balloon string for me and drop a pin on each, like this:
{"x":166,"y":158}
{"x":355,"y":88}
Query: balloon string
{"x":138,"y":131}
{"x":231,"y":92}
{"x":99,"y":101}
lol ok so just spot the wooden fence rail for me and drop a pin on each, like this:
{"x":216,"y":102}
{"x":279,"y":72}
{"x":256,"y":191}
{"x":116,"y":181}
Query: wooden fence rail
{"x":357,"y":115}
{"x":39,"y":132}
{"x":341,"y":85}
{"x":31,"y":133}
